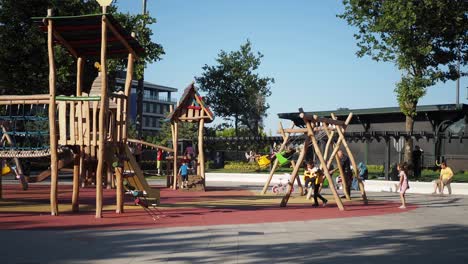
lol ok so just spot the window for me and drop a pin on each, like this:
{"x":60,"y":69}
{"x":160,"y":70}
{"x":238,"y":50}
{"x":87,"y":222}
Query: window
{"x":146,"y":121}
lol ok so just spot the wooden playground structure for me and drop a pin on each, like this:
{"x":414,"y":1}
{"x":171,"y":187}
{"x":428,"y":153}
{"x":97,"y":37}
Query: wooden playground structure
{"x":93,"y":125}
{"x":191,"y":108}
{"x":316,"y":128}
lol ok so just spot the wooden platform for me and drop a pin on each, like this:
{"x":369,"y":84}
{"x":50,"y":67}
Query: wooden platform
{"x":195,"y":183}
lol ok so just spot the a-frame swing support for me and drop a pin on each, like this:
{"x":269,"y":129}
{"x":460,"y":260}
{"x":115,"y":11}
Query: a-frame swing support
{"x":286,"y":136}
{"x":313,"y":124}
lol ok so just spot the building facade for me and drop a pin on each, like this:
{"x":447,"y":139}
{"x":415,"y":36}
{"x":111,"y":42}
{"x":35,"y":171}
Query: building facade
{"x":376,"y":135}
{"x":157,"y":100}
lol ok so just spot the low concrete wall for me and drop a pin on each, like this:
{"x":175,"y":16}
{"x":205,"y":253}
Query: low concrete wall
{"x":370,"y":185}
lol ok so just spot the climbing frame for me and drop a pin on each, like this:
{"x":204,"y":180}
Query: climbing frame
{"x":191,"y":108}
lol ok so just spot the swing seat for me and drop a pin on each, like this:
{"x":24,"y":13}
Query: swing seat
{"x":263,"y":161}
{"x":281,"y":159}
{"x":5,"y":170}
{"x":325,"y":183}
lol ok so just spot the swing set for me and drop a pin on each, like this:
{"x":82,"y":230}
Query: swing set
{"x":315,"y":129}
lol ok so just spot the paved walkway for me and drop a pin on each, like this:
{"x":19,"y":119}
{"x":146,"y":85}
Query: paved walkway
{"x":437,"y":231}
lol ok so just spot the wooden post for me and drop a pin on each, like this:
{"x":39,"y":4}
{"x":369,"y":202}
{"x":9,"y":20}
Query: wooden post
{"x":174,"y":143}
{"x":79,"y":76}
{"x":318,"y":152}
{"x":285,"y":199}
{"x":76,"y":179}
{"x":102,"y":118}
{"x":340,"y":131}
{"x":201,"y":152}
{"x":344,"y":181}
{"x":128,"y":88}
{"x":78,"y":169}
{"x":119,"y":185}
{"x":298,"y":179}
{"x":52,"y":125}
{"x":275,"y":163}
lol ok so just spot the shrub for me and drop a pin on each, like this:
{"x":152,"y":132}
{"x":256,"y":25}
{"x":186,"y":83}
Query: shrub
{"x":241,"y":166}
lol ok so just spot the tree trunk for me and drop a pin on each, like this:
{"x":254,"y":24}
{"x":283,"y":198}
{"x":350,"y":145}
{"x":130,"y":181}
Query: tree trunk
{"x":408,"y":154}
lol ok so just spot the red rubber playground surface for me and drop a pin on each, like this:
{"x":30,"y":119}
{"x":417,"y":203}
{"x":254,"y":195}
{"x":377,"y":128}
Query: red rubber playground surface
{"x":217,"y":206}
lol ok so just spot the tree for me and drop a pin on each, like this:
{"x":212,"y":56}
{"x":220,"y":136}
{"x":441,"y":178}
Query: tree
{"x":23,"y":53}
{"x":424,"y":38}
{"x":234,"y":90}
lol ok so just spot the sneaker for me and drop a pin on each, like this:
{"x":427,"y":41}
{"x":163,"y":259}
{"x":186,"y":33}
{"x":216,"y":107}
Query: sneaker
{"x":402,"y":207}
{"x":325,"y":203}
{"x":315,"y":205}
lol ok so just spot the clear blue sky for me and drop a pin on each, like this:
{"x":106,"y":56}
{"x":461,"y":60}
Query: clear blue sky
{"x":307,"y":49}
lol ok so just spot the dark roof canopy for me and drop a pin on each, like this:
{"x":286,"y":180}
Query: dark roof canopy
{"x":388,"y":114}
{"x":82,"y":35}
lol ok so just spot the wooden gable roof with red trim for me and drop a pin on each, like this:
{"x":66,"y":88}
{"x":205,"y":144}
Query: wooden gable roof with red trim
{"x":191,"y":107}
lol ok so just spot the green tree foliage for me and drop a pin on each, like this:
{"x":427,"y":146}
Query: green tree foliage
{"x":234,"y":90}
{"x":185,"y":130}
{"x":424,"y":38}
{"x":23,"y":53}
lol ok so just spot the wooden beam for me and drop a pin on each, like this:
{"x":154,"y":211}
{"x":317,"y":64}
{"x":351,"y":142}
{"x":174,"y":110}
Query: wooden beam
{"x":193,"y":118}
{"x":174,"y":144}
{"x":150,"y":144}
{"x":33,"y":97}
{"x":318,"y":152}
{"x":295,"y":172}
{"x":294,"y":130}
{"x":353,"y":161}
{"x":52,"y":127}
{"x":26,"y":102}
{"x":201,"y":151}
{"x":79,"y":76}
{"x":275,"y":163}
{"x":128,"y":88}
{"x":76,"y":179}
{"x":120,"y":37}
{"x":65,"y":43}
{"x":315,"y":119}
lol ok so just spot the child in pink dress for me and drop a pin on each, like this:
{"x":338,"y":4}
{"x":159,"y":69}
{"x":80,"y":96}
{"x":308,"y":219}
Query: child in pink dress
{"x":403,"y":169}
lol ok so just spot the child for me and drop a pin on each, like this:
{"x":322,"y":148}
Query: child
{"x":319,"y":177}
{"x":308,"y":174}
{"x":403,"y":170}
{"x":159,"y":157}
{"x":183,"y":172}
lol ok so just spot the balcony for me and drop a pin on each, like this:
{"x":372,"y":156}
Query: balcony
{"x":159,"y":99}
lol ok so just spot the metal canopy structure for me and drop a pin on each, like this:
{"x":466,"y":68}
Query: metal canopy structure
{"x":81,"y":36}
{"x":431,"y":113}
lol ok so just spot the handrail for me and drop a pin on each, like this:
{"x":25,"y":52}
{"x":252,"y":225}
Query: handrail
{"x":77,"y":98}
{"x":24,"y":99}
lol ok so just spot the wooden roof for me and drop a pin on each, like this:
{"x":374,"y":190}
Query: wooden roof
{"x":81,"y":36}
{"x":191,"y":107}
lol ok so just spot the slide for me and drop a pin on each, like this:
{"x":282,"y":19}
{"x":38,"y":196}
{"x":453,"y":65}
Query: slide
{"x":136,"y":179}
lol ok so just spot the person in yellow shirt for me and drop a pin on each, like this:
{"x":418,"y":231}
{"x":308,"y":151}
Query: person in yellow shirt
{"x":319,"y":177}
{"x":445,"y":178}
